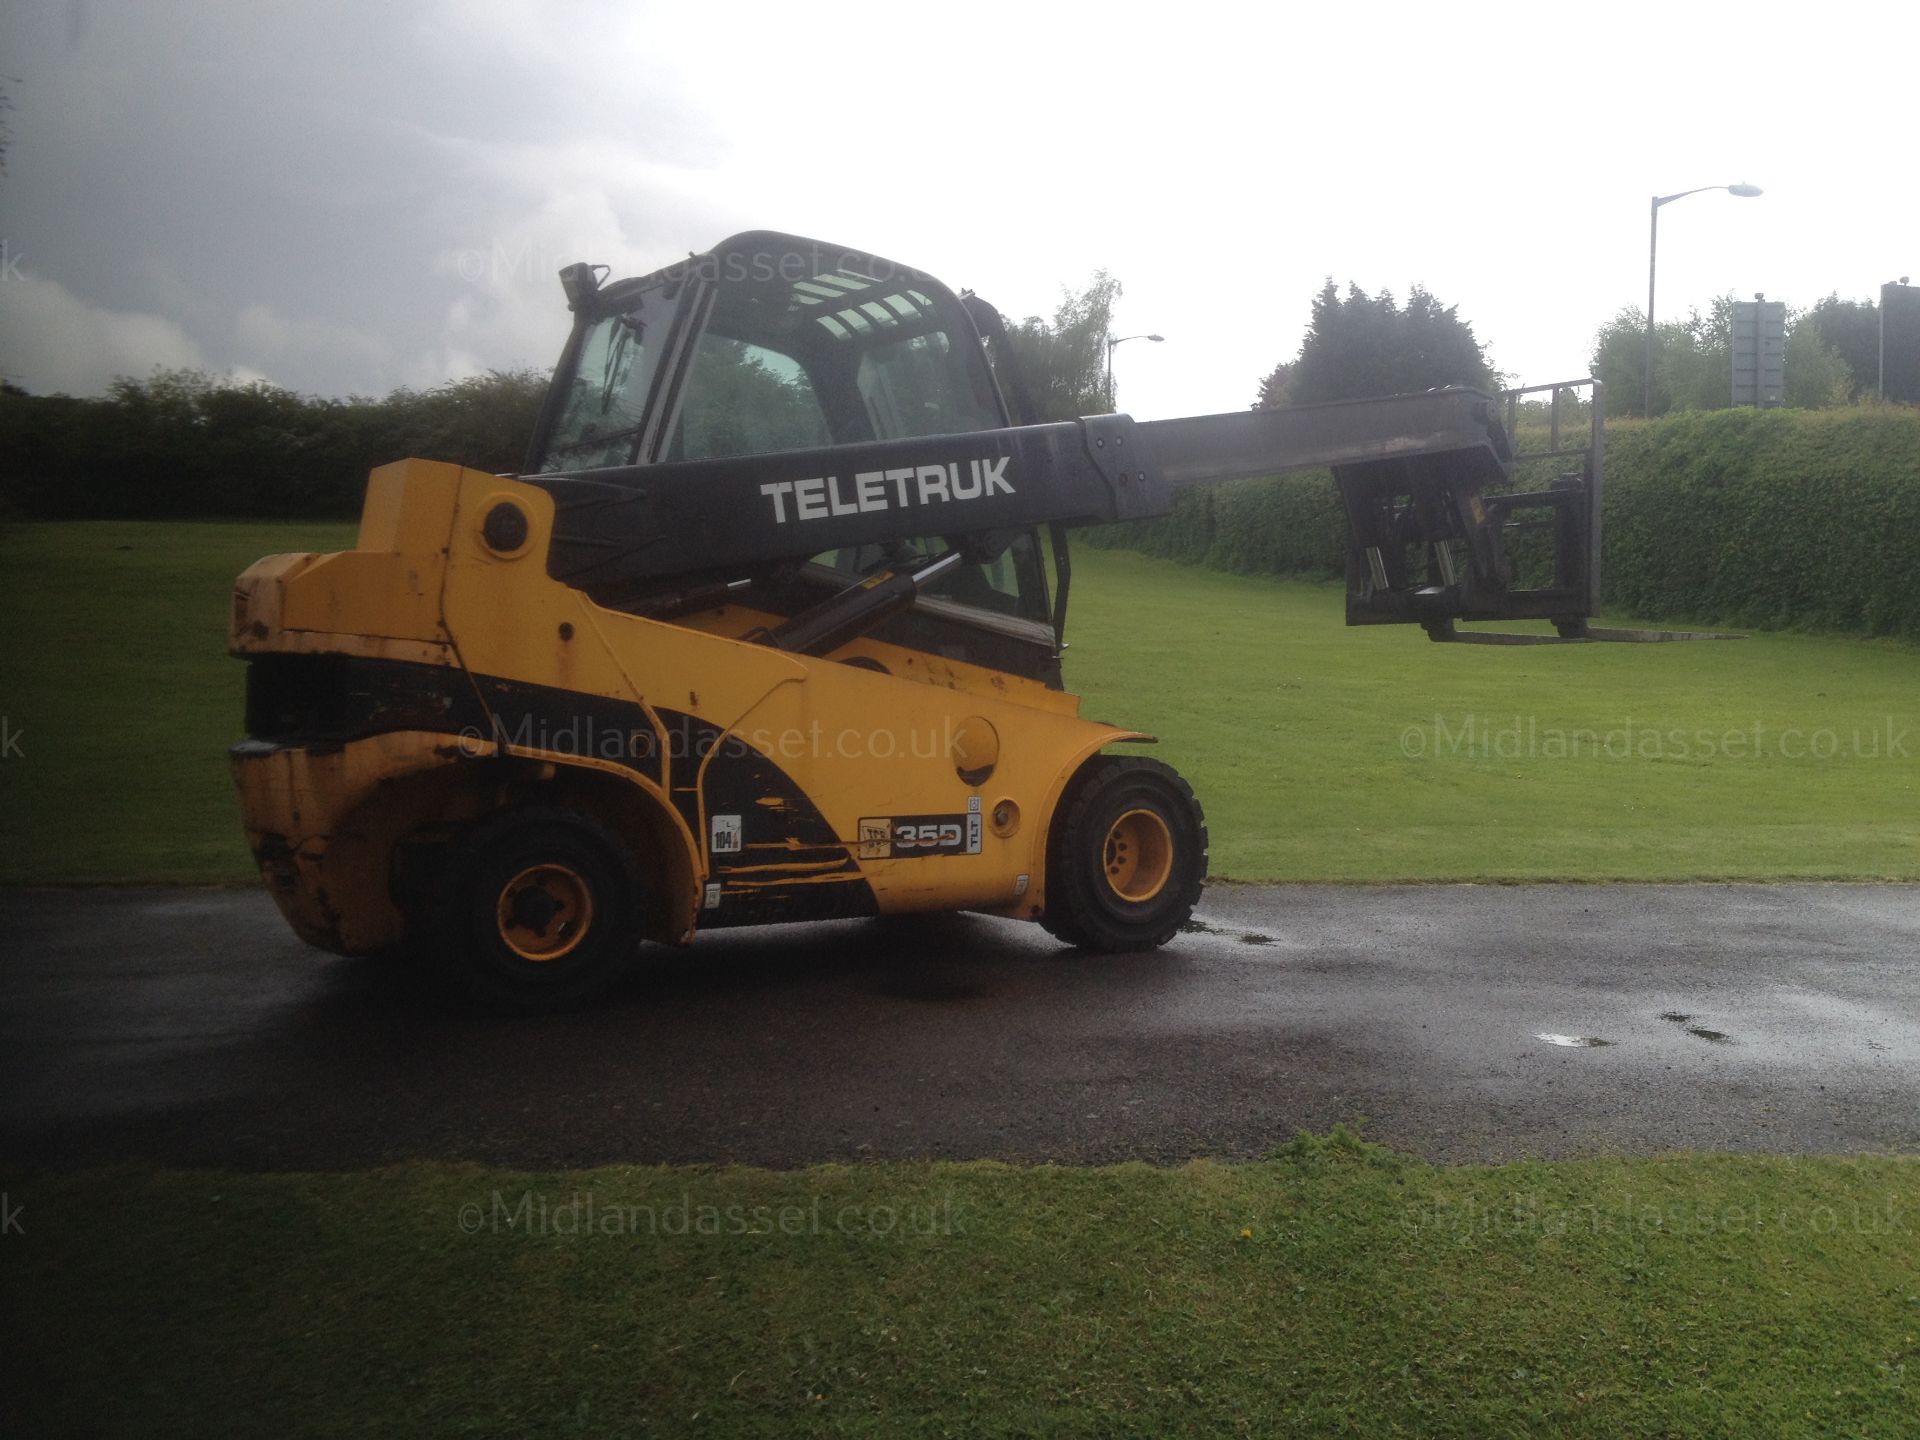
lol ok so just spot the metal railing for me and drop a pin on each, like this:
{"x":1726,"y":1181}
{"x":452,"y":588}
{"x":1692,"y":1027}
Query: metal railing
{"x":1590,"y":452}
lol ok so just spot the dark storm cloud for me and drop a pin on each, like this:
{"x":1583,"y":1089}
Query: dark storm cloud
{"x":287,"y":188}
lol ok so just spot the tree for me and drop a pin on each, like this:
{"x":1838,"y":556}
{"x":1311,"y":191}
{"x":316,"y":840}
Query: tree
{"x":1359,"y":345}
{"x":1817,"y":376}
{"x":1064,"y":360}
{"x":1693,"y":362}
{"x":1277,"y":389}
{"x":1851,"y":329}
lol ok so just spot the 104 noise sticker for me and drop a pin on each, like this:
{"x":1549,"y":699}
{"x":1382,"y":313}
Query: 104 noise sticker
{"x":905,"y":837}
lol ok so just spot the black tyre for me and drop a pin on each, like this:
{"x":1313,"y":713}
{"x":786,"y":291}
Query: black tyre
{"x":1126,"y":857}
{"x":537,"y":910}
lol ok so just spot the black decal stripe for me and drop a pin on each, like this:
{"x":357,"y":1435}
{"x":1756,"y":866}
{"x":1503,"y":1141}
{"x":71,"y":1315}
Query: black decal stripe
{"x":777,"y":818}
{"x":333,"y":698}
{"x":330,"y":699}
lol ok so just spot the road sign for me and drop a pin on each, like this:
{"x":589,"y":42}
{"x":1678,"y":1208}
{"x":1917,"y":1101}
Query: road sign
{"x":1900,"y":313}
{"x":1759,"y":352}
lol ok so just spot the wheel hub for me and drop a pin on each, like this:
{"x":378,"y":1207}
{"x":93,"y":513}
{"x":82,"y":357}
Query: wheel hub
{"x":1138,"y":856}
{"x":544,"y":911}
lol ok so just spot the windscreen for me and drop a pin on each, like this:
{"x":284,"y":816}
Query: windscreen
{"x":604,"y":412}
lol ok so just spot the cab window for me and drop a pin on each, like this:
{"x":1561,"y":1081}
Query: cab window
{"x":1012,"y":585}
{"x":913,"y":387}
{"x":832,"y":357}
{"x":744,"y":399}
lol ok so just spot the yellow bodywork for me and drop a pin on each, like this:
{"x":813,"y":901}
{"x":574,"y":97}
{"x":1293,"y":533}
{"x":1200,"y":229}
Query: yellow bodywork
{"x":932,"y":738}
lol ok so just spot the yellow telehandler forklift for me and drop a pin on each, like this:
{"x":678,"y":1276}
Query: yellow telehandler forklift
{"x":770,"y":627}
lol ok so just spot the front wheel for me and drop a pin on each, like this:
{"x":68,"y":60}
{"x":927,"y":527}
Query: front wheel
{"x":1126,"y":857}
{"x":540,"y":910}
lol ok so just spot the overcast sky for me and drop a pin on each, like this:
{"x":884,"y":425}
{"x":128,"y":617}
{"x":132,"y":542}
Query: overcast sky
{"x":347,"y":196}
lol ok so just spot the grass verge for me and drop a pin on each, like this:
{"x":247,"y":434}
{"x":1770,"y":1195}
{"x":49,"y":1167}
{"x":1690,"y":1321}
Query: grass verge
{"x":1328,"y":753}
{"x":1729,"y":1295}
{"x":122,"y":700}
{"x":1321,"y":753}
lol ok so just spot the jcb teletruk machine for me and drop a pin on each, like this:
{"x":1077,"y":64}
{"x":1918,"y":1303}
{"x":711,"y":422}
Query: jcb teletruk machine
{"x":770,"y":629}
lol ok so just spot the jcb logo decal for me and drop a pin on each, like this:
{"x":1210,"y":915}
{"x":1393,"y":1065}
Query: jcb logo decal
{"x":904,"y":837}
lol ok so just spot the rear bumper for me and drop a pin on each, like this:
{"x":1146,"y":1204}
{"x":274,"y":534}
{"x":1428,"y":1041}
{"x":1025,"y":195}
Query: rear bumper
{"x":322,"y":821}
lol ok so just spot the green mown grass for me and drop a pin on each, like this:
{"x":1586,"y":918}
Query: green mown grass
{"x":1332,"y":1290}
{"x":116,"y":679}
{"x":1294,"y":729}
{"x":1328,"y":753}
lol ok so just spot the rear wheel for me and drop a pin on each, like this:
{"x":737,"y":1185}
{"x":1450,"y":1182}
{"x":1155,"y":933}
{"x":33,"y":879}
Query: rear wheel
{"x":1126,"y":857}
{"x":539,"y":909}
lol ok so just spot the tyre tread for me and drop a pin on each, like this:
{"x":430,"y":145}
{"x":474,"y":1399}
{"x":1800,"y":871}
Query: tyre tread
{"x":1073,"y":912}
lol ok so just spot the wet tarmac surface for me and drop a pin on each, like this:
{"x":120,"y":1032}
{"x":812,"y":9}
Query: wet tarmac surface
{"x":188,"y":1027}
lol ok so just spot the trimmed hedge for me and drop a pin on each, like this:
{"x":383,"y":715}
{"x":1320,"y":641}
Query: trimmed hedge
{"x":187,"y":445}
{"x":1766,"y":519}
{"x":1289,"y":525}
{"x":1770,"y":519}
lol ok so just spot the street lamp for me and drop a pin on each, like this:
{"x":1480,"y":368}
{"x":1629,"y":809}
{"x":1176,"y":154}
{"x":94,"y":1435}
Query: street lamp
{"x":1745,"y":192}
{"x":1121,"y":341}
{"x":1884,"y":289}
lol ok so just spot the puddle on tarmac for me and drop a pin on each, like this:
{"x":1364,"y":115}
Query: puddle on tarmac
{"x":1575,"y":1042}
{"x":1245,"y":937}
{"x":1700,"y":1032}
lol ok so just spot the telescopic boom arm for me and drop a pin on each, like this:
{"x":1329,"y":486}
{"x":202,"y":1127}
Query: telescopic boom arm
{"x":1412,"y":470}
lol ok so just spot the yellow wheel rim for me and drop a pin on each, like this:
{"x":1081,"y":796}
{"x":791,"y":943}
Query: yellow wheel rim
{"x":544,"y":912}
{"x":1138,"y":858}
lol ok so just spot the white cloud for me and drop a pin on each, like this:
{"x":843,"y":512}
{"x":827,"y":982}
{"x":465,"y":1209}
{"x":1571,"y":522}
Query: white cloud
{"x":52,"y":342}
{"x":371,"y":193}
{"x":266,"y":341}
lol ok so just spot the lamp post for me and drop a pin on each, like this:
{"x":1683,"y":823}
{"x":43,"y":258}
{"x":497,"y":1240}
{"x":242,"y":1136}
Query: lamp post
{"x":1885,"y":289}
{"x":1745,"y":192}
{"x":1121,"y":341}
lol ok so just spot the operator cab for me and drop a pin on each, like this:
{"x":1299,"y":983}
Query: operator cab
{"x":771,"y":343}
